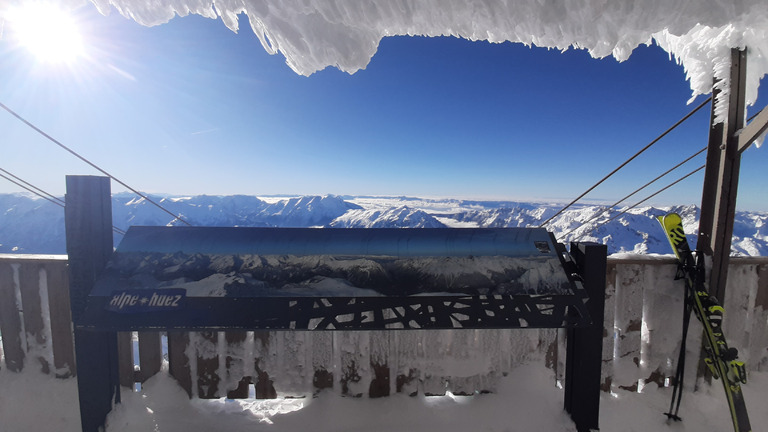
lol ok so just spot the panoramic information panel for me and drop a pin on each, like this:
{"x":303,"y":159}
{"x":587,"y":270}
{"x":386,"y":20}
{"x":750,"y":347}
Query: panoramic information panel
{"x":336,"y":278}
{"x":306,"y":262}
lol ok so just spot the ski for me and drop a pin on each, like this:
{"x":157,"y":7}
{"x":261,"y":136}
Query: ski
{"x":721,"y":360}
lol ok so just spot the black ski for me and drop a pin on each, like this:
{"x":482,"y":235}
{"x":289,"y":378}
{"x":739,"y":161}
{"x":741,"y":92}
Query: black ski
{"x":722,"y":361}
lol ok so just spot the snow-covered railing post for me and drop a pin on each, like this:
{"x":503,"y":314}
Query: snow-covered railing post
{"x":88,"y":216}
{"x":35,"y":319}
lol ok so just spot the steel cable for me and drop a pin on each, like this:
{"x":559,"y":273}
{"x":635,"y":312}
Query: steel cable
{"x":42,"y":194}
{"x":634,"y":192}
{"x":642,"y":201}
{"x":679,"y":122}
{"x":38,"y":130}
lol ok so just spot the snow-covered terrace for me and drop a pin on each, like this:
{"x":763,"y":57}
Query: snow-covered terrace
{"x":313,"y":35}
{"x":520,"y":367}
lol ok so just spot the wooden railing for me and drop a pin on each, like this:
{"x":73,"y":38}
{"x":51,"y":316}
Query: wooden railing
{"x":642,"y":333}
{"x":35,"y":319}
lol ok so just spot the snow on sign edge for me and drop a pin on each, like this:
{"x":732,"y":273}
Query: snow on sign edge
{"x":315,"y":34}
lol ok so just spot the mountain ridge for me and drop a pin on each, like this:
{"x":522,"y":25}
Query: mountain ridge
{"x":32,"y":225}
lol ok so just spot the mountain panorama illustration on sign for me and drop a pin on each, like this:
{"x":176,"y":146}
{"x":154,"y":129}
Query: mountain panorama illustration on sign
{"x":303,"y":262}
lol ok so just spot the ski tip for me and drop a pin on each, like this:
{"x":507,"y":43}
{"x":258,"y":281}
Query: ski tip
{"x":670,"y":220}
{"x":672,"y":216}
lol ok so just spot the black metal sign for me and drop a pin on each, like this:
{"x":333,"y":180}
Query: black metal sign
{"x":303,"y":278}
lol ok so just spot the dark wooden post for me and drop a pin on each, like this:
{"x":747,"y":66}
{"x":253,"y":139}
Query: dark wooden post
{"x":10,"y":321}
{"x":721,"y":178}
{"x":88,"y":216}
{"x":61,"y":320}
{"x":584,"y":346}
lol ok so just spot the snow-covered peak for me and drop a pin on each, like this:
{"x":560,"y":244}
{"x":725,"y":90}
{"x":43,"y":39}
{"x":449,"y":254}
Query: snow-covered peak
{"x":398,"y":217}
{"x":307,"y":211}
{"x":208,"y":210}
{"x":503,"y":217}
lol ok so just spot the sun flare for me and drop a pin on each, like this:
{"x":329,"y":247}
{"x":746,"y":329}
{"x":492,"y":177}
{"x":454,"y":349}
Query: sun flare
{"x":48,"y":32}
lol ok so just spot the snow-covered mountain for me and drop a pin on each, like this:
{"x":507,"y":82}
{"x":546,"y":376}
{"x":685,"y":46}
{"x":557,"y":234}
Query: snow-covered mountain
{"x":236,"y":210}
{"x":395,"y":217}
{"x":32,"y":225}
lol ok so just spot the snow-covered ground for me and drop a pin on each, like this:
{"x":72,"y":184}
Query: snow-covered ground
{"x":526,"y":400}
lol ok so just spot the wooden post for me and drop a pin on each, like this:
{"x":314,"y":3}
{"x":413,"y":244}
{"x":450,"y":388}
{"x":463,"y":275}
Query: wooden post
{"x":88,"y":216}
{"x":61,"y":321}
{"x":753,"y":130}
{"x":235,"y":363}
{"x":584,"y":345}
{"x":178,"y":361}
{"x":126,"y":370}
{"x":150,"y":354}
{"x":29,"y":281}
{"x":10,"y":321}
{"x":721,"y":179}
{"x":208,"y":378}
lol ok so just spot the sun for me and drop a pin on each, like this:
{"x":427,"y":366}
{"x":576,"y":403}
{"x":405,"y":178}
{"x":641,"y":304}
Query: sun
{"x":48,"y":32}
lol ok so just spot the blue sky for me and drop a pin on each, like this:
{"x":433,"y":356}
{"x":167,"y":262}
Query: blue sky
{"x":191,"y":108}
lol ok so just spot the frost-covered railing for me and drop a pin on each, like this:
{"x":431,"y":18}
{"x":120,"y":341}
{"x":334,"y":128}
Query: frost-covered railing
{"x":35,"y":323}
{"x":645,"y":305}
{"x":642,"y":333}
{"x":161,"y":278}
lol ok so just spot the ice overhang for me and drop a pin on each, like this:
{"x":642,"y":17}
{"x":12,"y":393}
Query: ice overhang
{"x":315,"y":34}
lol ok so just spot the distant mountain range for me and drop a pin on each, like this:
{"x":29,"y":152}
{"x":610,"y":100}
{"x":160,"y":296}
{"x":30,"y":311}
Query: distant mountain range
{"x":31,"y":225}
